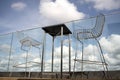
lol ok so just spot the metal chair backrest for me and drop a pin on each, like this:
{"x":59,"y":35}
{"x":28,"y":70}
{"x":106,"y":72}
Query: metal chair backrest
{"x":94,"y":32}
{"x":97,"y":30}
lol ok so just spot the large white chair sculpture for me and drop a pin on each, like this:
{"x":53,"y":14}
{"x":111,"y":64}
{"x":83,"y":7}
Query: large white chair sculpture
{"x":92,"y":33}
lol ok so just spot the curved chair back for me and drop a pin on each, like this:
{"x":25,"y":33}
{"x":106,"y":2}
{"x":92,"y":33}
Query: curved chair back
{"x":97,"y":30}
{"x":94,"y":32}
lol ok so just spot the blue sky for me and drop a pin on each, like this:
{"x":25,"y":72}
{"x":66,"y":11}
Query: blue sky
{"x":25,"y":14}
{"x":17,"y":15}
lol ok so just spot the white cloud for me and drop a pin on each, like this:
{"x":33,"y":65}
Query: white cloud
{"x":23,"y":55}
{"x":18,"y":6}
{"x":65,"y":51}
{"x":5,"y":48}
{"x":111,"y":49}
{"x":60,"y":10}
{"x":93,"y":53}
{"x":105,"y":4}
{"x":57,"y":57}
{"x":111,"y":45}
{"x":37,"y":59}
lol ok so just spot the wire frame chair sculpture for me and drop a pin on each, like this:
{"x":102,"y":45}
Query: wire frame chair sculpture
{"x":93,"y":33}
{"x":29,"y":42}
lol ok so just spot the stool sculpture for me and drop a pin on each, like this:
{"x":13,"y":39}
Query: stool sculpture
{"x":26,"y":44}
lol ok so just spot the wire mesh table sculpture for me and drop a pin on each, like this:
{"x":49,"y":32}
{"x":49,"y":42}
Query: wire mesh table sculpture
{"x":93,"y":33}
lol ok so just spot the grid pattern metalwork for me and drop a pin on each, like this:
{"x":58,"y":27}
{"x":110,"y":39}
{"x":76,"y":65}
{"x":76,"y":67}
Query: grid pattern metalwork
{"x":92,"y":33}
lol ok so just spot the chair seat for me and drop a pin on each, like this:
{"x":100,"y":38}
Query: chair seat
{"x":83,"y":34}
{"x":28,"y":41}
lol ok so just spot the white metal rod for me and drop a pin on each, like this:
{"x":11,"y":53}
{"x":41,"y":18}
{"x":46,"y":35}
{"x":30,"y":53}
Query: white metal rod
{"x":61,"y":51}
{"x":43,"y":51}
{"x":52,"y":54}
{"x":69,"y":54}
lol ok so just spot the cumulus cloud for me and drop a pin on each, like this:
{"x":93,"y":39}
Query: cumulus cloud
{"x":105,"y":4}
{"x":57,"y":57}
{"x":92,"y":51}
{"x":19,"y":62}
{"x":18,"y":6}
{"x":111,"y":49}
{"x":60,"y":10}
{"x":3,"y":64}
{"x":5,"y":48}
{"x":111,"y":45}
{"x":65,"y":51}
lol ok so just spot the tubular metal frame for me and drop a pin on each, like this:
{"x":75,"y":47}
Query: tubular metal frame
{"x":31,"y":44}
{"x":93,"y":33}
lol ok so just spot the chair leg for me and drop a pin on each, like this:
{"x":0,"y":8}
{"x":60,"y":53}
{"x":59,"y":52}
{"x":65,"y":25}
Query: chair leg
{"x":103,"y":60}
{"x":74,"y":66}
{"x":75,"y":62}
{"x":82,"y":59}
